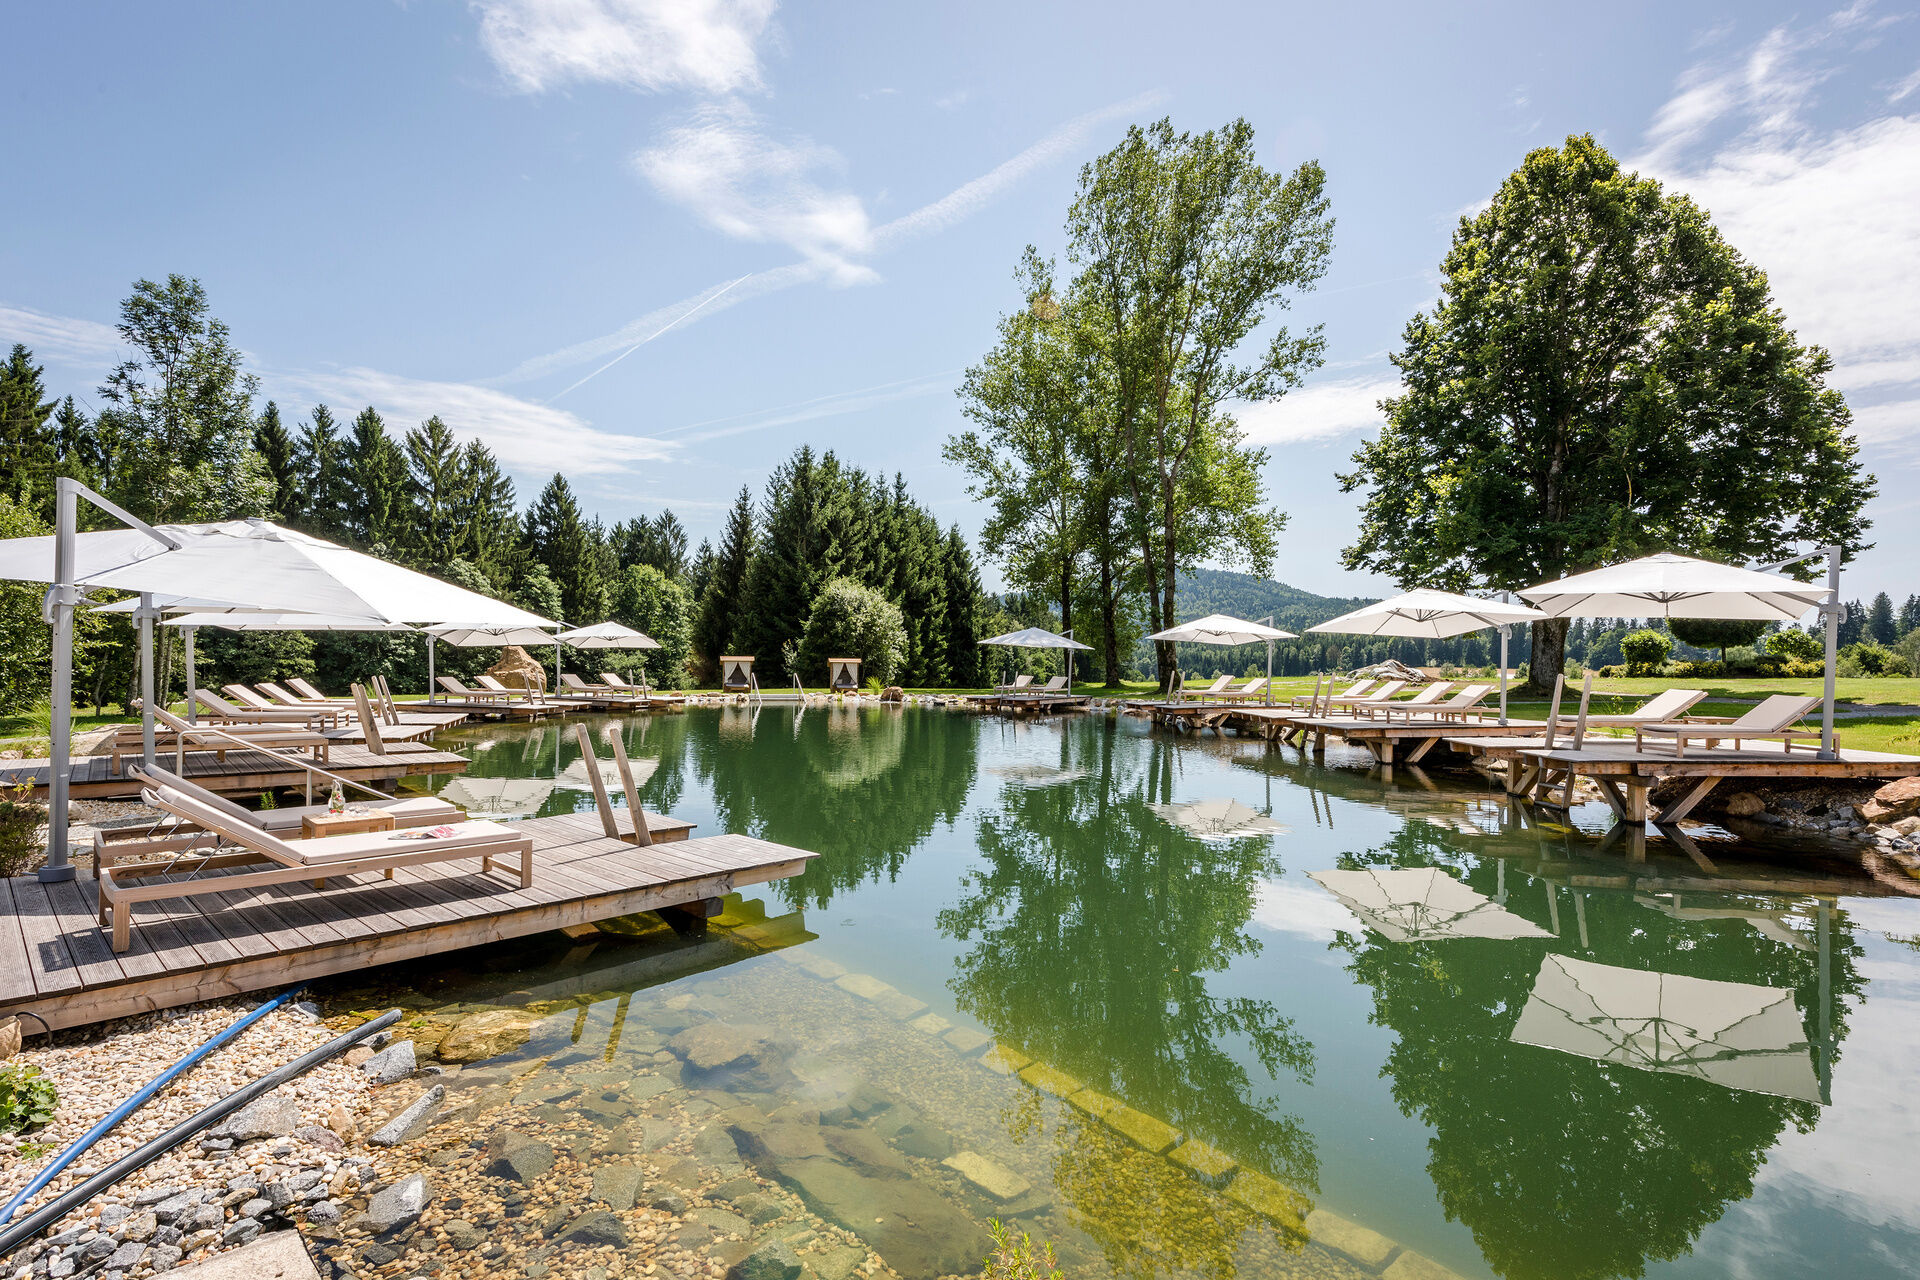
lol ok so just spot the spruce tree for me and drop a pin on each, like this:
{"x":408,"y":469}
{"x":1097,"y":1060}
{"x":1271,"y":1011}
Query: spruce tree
{"x":808,"y":500}
{"x":435,"y":483}
{"x":26,"y":440}
{"x":76,"y":444}
{"x":700,"y":569}
{"x":713,"y":629}
{"x":274,"y":443}
{"x":1881,"y":627}
{"x":377,"y":475}
{"x":1910,"y":616}
{"x":561,"y":539}
{"x":320,"y":466}
{"x":963,"y":601}
{"x":485,"y":510}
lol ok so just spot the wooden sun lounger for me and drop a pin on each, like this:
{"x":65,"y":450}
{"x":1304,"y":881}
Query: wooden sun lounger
{"x":494,"y":686}
{"x":1773,"y":718}
{"x":1199,"y":695}
{"x":249,"y":700}
{"x":1459,"y":706}
{"x":1356,"y":691}
{"x":176,"y":737}
{"x":1425,"y":698}
{"x":1251,"y":689}
{"x":1019,"y":682}
{"x":314,"y":860}
{"x":461,"y":691}
{"x":1375,"y":698}
{"x":220,"y":711}
{"x":417,"y":811}
{"x":282,"y":698}
{"x":1663,"y":708}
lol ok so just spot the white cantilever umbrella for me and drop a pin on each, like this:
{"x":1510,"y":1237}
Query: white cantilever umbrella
{"x":1676,"y":586}
{"x":1436,"y":615}
{"x":602,"y":635}
{"x":1422,"y":904}
{"x":1040,"y":638}
{"x":1733,"y":1034}
{"x":1226,"y":630}
{"x":249,"y":563}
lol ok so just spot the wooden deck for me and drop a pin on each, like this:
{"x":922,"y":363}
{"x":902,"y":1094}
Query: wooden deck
{"x":242,"y":772}
{"x":1625,"y":775}
{"x":56,"y":963}
{"x":1028,"y":704}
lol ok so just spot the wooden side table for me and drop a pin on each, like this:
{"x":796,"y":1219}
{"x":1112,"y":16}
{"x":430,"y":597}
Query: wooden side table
{"x":345,"y":824}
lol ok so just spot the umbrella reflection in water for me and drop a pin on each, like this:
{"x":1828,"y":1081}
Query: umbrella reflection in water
{"x":1732,"y":1034}
{"x":1422,"y":904}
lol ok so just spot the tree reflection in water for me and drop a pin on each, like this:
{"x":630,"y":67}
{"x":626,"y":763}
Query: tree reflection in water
{"x":1564,"y":1167}
{"x":1127,"y":1007}
{"x":864,"y":786}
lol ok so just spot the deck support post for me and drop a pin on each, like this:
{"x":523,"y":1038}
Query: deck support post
{"x":1674,"y":812}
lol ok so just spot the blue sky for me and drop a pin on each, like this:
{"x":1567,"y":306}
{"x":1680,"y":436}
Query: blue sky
{"x":658,"y":244}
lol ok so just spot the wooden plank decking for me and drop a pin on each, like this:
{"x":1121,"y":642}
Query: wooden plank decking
{"x":56,"y":963}
{"x":242,"y":771}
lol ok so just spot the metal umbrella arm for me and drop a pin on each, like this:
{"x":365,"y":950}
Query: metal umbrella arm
{"x":248,"y":744}
{"x":62,"y":598}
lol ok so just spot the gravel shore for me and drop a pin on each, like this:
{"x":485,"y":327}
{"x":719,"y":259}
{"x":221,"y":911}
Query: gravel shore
{"x":287,"y":1156}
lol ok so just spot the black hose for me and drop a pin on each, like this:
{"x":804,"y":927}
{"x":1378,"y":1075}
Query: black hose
{"x":48,"y":1214}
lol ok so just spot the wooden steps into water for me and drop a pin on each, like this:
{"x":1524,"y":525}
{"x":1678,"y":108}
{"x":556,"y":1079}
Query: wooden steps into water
{"x":56,"y":963}
{"x":242,"y":772}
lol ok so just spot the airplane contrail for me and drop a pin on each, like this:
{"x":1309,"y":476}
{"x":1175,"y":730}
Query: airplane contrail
{"x":649,"y":338}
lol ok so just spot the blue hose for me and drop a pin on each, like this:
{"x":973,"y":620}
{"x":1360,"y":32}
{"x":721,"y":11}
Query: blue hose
{"x":79,"y":1145}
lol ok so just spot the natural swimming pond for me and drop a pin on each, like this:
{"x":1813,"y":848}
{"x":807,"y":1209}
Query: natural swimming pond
{"x":1231,"y":986}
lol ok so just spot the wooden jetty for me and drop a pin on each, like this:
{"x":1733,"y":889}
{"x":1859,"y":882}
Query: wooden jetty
{"x":242,"y":772}
{"x":1625,"y":775}
{"x":503,"y":710}
{"x":56,"y":963}
{"x":1028,"y":704}
{"x":1404,"y":739}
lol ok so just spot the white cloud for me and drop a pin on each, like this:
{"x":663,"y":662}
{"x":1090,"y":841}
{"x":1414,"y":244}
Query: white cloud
{"x":1904,"y":89}
{"x":528,"y":438}
{"x":726,"y":167}
{"x":705,"y":171}
{"x":60,"y":337}
{"x":652,"y":45}
{"x":1318,"y":411}
{"x":1831,"y":214}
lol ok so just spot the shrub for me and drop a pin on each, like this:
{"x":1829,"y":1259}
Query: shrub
{"x":854,"y":621}
{"x":1697,"y":670}
{"x":1645,"y":649}
{"x":1804,"y":669}
{"x":1870,"y":659}
{"x":1744,"y":658}
{"x":649,"y":601}
{"x":1795,"y":645}
{"x":1716,"y":633}
{"x":20,"y":821}
{"x":27,"y":1098}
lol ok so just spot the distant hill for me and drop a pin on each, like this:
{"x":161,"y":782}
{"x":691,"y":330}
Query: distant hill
{"x":1242,"y":595}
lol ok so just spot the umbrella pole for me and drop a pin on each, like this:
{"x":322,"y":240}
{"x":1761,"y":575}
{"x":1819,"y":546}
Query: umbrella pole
{"x":61,"y":601}
{"x":1503,"y":673}
{"x":431,"y":686}
{"x":1268,"y":620}
{"x":1832,"y":612}
{"x":186,"y":641}
{"x":145,"y":616}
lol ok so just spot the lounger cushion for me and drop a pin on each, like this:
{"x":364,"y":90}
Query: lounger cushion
{"x":166,"y":778}
{"x":420,"y":811}
{"x":372,"y":845}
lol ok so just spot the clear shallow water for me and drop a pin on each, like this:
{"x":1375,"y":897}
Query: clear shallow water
{"x":1045,"y":882}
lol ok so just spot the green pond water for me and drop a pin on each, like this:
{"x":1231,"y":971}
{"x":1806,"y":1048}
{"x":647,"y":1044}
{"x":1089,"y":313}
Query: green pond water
{"x":1486,"y":1039}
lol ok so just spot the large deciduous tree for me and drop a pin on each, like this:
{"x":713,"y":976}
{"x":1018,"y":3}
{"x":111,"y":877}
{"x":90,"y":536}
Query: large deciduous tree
{"x":1185,"y":245}
{"x":180,"y":413}
{"x":1604,"y":376}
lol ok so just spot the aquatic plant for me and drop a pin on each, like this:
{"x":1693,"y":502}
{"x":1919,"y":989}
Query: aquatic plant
{"x":1013,"y":1259}
{"x":27,"y":1098}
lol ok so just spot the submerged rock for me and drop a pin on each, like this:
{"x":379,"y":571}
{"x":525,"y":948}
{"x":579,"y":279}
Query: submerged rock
{"x":415,"y":1119}
{"x":718,"y":1055}
{"x":393,"y":1063}
{"x":516,"y":1156}
{"x":399,"y":1205}
{"x":488,"y":1035}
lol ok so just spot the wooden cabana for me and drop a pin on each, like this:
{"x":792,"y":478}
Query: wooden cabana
{"x":843,"y":675}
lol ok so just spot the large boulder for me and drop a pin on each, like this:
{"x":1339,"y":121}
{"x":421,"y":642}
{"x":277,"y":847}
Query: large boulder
{"x":724,"y":1056}
{"x":1893,"y":802}
{"x":518,"y":670}
{"x":488,"y":1034}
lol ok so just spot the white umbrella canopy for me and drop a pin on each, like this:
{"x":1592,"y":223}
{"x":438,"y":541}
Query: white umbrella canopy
{"x":1436,"y":615}
{"x":1220,"y":818}
{"x":246,"y":620}
{"x":1223,"y":629}
{"x":1732,"y":1034}
{"x":608,"y":635}
{"x":1676,"y":586}
{"x":1037,"y":638}
{"x":290,"y":571}
{"x":1422,"y":904}
{"x":489,"y":637}
{"x":498,"y":797}
{"x":1429,"y":614}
